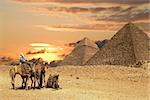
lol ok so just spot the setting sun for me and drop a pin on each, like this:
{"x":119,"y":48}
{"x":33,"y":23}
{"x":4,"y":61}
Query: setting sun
{"x":45,"y":56}
{"x":48,"y":52}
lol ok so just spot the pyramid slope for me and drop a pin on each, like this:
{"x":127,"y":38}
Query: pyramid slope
{"x":79,"y":56}
{"x":81,"y":53}
{"x":126,"y":47}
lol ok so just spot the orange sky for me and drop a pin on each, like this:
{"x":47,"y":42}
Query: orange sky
{"x":59,"y":22}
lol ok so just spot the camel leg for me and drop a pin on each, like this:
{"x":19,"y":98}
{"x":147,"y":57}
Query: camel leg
{"x":34,"y":83}
{"x":27,"y":80}
{"x":41,"y":79}
{"x":38,"y":81}
{"x":12,"y":76}
{"x":31,"y":82}
{"x":38,"y":78}
{"x":34,"y":80}
{"x":44,"y":80}
{"x":13,"y":82}
{"x":23,"y":82}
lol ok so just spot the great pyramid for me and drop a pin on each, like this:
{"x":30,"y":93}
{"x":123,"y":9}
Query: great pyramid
{"x":82,"y":52}
{"x":128,"y":46}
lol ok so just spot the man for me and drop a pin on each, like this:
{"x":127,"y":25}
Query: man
{"x":24,"y":62}
{"x":22,"y":58}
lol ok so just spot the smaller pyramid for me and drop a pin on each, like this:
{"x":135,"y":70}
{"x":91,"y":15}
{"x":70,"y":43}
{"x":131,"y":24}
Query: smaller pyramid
{"x":86,"y":42}
{"x":82,"y":52}
{"x":128,"y":46}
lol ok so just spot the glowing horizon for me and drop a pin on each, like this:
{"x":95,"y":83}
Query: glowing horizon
{"x":44,"y":27}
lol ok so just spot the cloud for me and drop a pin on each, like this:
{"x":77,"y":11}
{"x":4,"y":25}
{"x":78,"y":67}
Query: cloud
{"x":125,"y":15}
{"x":105,"y":27}
{"x":108,"y":27}
{"x":67,"y":28}
{"x":36,"y":51}
{"x":86,"y":1}
{"x":39,"y":45}
{"x":72,"y":44}
{"x":43,"y":48}
{"x":117,"y":14}
{"x":114,"y":13}
{"x":75,"y":10}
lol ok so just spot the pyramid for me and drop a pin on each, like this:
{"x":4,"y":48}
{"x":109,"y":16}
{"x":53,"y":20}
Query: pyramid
{"x":128,"y":46}
{"x":82,"y":52}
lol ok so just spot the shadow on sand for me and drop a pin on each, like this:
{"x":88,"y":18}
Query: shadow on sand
{"x":23,"y":88}
{"x":31,"y":88}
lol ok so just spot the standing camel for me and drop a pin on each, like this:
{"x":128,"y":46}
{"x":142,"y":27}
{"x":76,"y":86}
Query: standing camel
{"x":24,"y":70}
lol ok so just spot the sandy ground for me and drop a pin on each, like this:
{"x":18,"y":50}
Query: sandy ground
{"x":94,"y":83}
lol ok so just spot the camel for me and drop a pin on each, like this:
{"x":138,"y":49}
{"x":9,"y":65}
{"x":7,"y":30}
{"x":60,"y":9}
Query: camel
{"x":24,"y":70}
{"x":36,"y":72}
{"x":40,"y":70}
{"x":52,"y":81}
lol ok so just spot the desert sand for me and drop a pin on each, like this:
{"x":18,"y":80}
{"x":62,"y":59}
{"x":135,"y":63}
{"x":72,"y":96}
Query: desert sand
{"x":84,"y":83}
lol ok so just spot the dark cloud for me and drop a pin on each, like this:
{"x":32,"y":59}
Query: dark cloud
{"x":83,"y":10}
{"x":128,"y":9}
{"x":87,"y":1}
{"x":36,"y":52}
{"x":70,"y":44}
{"x":118,"y":13}
{"x":127,"y":15}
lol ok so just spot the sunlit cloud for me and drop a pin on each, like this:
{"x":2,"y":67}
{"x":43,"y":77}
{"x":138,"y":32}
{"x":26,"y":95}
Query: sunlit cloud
{"x":87,"y":27}
{"x":43,"y":47}
{"x":62,"y":28}
{"x":39,"y":45}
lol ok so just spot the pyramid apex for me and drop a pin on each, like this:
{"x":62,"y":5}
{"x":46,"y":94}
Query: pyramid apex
{"x":130,"y":24}
{"x":85,"y":38}
{"x":86,"y":41}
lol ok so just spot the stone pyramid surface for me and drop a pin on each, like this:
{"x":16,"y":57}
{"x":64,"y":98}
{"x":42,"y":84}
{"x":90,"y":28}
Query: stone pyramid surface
{"x":128,"y":46}
{"x":83,"y":51}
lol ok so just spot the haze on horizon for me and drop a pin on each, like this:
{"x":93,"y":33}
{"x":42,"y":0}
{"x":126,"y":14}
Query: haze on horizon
{"x":44,"y":28}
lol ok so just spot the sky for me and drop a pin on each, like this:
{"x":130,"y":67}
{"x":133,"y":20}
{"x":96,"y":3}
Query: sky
{"x":44,"y":28}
